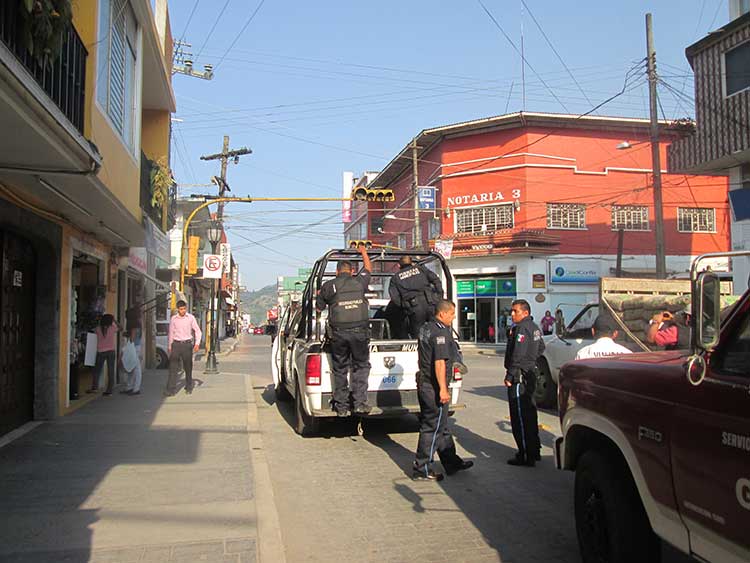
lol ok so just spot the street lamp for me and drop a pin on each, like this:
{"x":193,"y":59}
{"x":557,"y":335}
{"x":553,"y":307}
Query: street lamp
{"x":213,"y":233}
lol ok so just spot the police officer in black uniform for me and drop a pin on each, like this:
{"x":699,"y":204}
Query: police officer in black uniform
{"x":525,"y":345}
{"x":416,"y":290}
{"x":348,"y":331}
{"x":437,"y":351}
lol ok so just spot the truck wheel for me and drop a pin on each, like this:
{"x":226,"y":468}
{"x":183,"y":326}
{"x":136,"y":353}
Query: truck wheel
{"x":304,"y":424}
{"x":545,"y":394}
{"x":611,"y":523}
{"x":162,"y":360}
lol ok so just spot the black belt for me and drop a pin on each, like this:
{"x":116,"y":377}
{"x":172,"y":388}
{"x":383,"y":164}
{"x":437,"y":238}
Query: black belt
{"x":182,"y":341}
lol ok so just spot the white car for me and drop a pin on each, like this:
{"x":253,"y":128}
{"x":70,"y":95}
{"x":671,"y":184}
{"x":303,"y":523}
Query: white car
{"x":560,"y":349}
{"x":161,"y":358}
{"x":300,"y":361}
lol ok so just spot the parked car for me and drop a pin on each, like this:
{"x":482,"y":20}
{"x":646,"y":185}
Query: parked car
{"x":161,"y":357}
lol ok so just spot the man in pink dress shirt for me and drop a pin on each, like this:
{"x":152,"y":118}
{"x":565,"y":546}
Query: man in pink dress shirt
{"x":184,"y":339}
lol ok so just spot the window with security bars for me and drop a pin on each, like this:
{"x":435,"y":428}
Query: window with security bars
{"x":566,"y":216}
{"x":696,"y":219}
{"x":629,"y":218}
{"x":483,"y":219}
{"x":116,"y":60}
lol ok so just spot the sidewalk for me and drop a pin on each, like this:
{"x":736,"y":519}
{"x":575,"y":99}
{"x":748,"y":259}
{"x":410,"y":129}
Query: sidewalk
{"x":141,"y":478}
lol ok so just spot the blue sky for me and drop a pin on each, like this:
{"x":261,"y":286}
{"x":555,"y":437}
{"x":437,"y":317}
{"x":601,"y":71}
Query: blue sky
{"x":317,"y":88}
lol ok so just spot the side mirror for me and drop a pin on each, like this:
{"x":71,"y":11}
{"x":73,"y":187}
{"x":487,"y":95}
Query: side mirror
{"x":708,"y":305}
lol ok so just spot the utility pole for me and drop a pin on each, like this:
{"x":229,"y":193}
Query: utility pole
{"x":224,"y":156}
{"x":183,"y":63}
{"x":415,"y":173}
{"x":661,"y":264}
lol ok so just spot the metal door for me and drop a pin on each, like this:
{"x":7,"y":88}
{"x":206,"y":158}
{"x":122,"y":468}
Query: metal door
{"x":16,"y":332}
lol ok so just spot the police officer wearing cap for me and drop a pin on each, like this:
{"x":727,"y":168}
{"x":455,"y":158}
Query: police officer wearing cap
{"x":348,"y":331}
{"x":437,"y":352}
{"x":416,"y":290}
{"x":525,"y":345}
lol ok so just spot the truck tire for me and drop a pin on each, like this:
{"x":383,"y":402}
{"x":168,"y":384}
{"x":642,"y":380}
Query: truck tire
{"x":611,"y":523}
{"x":545,"y":394}
{"x":304,"y":424}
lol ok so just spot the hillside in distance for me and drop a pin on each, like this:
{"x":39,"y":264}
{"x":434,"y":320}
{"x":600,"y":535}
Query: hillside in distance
{"x":258,"y":302}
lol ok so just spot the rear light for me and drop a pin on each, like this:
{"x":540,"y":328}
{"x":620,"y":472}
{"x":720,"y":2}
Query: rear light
{"x":312,"y":369}
{"x":457,"y":374}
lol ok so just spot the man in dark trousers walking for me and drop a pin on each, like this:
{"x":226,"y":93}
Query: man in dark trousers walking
{"x":416,"y":290}
{"x":348,"y":332}
{"x":184,"y":339}
{"x":437,"y":352}
{"x":525,"y":345}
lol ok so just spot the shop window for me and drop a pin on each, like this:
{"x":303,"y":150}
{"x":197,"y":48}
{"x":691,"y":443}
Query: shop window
{"x":736,"y":63}
{"x":629,"y":218}
{"x":401,"y":243}
{"x":434,"y":226}
{"x":696,"y":220}
{"x":566,"y":216}
{"x":483,"y":219}
{"x":116,"y":72}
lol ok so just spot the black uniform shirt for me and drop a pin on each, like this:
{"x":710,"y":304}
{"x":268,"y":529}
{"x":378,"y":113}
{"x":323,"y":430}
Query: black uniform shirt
{"x":435,"y":343}
{"x":525,"y":345}
{"x":414,"y":281}
{"x":327,"y":294}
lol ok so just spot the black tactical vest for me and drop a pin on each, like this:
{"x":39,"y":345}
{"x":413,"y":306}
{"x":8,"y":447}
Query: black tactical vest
{"x":349,"y":306}
{"x":413,"y":283}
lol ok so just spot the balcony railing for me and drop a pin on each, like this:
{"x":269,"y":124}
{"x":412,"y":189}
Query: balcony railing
{"x":63,"y":79}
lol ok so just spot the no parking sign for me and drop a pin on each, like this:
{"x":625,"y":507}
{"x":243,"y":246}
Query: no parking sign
{"x":212,"y":266}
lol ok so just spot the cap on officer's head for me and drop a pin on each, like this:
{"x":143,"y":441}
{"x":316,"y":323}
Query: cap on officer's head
{"x":604,"y":324}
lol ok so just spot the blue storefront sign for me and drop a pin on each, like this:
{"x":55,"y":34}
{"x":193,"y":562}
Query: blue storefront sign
{"x":426,"y":197}
{"x":573,"y":272}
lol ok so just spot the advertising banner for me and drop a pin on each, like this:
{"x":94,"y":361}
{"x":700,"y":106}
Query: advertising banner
{"x":226,"y":257}
{"x":444,"y":248}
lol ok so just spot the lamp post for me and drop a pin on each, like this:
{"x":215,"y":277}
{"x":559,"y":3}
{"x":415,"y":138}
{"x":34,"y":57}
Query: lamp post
{"x":213,"y":233}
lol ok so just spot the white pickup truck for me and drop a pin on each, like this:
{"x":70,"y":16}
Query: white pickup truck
{"x":301,"y":362}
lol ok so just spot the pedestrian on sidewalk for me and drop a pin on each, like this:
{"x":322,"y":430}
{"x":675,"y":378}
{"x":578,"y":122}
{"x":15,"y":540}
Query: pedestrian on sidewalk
{"x":131,"y":364}
{"x":437,"y":351}
{"x":183,"y":340}
{"x":525,"y":345}
{"x":106,"y":338}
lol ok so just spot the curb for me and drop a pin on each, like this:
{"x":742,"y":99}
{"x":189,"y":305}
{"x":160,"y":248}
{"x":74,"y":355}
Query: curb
{"x":270,"y":542}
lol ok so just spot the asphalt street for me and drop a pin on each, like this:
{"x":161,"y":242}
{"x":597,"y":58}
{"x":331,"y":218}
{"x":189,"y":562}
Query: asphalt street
{"x":340,"y":495}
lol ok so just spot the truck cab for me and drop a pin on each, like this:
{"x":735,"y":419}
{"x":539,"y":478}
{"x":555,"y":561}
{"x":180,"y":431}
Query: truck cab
{"x":660,"y":441}
{"x":301,"y":362}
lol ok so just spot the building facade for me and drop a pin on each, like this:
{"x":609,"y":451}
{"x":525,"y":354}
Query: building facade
{"x":70,"y":188}
{"x":535,"y":206}
{"x":720,"y":143}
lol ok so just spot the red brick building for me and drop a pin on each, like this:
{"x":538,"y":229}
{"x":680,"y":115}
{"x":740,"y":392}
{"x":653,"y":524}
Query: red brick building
{"x":532,"y":205}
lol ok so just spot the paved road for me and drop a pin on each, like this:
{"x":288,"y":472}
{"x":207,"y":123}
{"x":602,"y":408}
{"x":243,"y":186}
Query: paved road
{"x":342,"y":495}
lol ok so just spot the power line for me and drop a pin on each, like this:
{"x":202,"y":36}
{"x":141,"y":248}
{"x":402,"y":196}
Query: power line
{"x":213,"y":27}
{"x":244,"y":27}
{"x":184,"y":31}
{"x":551,"y":46}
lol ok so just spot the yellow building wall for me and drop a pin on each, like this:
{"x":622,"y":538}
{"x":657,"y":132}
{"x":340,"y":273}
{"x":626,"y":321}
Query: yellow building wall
{"x":155,"y":134}
{"x":120,"y":170}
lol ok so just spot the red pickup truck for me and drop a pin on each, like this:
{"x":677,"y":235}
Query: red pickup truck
{"x":660,"y":442}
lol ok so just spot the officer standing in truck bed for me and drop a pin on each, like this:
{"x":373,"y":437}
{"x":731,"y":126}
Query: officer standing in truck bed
{"x":416,"y":290}
{"x":348,"y":331}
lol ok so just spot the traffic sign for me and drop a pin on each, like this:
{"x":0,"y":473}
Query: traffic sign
{"x":426,"y":197}
{"x":212,"y":266}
